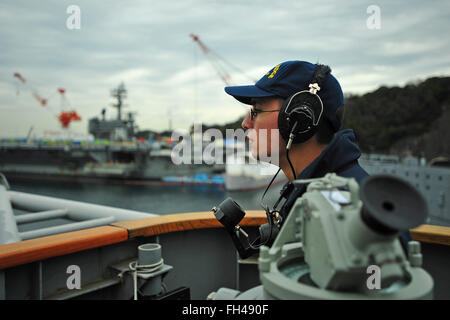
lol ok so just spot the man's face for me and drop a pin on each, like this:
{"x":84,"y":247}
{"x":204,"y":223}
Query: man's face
{"x":263,"y":135}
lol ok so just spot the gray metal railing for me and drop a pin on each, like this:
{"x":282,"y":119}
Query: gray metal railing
{"x":41,"y":210}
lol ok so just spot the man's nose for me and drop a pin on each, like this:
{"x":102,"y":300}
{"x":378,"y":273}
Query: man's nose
{"x":247,"y":123}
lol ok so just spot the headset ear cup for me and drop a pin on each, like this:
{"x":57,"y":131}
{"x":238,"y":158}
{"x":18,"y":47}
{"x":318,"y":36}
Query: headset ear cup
{"x":302,"y":108}
{"x":305,"y":136}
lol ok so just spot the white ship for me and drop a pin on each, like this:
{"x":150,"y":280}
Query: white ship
{"x":245,"y":176}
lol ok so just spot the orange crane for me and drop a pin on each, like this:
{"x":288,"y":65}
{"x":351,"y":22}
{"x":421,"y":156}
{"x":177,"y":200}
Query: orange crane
{"x":41,"y":100}
{"x":64,"y":117}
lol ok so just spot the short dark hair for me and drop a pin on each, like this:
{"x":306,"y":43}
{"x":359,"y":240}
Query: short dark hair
{"x":325,"y":132}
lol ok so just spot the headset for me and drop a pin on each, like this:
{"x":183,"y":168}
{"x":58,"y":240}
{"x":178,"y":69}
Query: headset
{"x":301,"y":113}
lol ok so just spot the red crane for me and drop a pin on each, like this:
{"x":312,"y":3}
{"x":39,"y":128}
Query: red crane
{"x":218,"y":63}
{"x":36,"y":95}
{"x":214,"y":61}
{"x":64,"y":117}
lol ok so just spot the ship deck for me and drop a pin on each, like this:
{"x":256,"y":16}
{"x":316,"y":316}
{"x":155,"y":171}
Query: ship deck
{"x":195,"y":244}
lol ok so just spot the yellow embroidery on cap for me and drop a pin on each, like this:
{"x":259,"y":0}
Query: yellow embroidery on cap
{"x":273,"y":72}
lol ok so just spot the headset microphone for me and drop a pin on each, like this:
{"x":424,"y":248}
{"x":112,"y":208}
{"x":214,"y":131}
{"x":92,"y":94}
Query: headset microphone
{"x":229,"y":214}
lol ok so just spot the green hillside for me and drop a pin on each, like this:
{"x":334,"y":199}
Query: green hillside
{"x":402,"y":120}
{"x":409,"y":120}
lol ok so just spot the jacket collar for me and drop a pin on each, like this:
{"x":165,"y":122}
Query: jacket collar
{"x":340,"y":152}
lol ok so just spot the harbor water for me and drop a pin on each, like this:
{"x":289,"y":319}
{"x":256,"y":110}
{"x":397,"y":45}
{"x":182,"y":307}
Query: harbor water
{"x":157,"y":198}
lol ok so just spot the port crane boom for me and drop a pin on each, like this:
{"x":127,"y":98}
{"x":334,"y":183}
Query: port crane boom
{"x":219,"y":63}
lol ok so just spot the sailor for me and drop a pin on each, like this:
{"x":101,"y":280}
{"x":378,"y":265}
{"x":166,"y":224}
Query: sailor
{"x":311,"y":141}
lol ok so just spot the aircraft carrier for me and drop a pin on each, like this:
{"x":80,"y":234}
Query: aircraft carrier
{"x":115,"y":153}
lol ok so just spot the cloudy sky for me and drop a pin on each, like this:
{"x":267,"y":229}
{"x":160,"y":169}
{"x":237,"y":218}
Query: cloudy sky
{"x":146,"y":45}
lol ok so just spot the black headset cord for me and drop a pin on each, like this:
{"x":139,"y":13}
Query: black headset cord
{"x":288,"y":148}
{"x":268,"y":214}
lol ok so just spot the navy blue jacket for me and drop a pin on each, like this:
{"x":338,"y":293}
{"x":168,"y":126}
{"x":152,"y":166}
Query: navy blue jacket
{"x":341,"y":157}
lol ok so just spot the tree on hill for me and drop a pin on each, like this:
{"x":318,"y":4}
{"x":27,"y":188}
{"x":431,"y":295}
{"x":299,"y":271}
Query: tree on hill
{"x":387,"y":115}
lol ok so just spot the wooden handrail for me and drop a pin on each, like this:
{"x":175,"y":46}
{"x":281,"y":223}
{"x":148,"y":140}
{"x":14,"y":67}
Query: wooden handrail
{"x":184,"y":221}
{"x":27,"y":251}
{"x":51,"y":246}
{"x":32,"y":250}
{"x":200,"y":220}
{"x":432,"y":234}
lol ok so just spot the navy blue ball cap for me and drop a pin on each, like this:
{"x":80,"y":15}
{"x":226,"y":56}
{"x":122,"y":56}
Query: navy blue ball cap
{"x":288,"y":78}
{"x":245,"y":93}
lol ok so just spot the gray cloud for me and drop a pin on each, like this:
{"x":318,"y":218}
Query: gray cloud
{"x":146,"y":44}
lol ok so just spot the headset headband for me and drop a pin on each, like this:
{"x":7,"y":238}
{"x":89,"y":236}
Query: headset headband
{"x":319,"y":77}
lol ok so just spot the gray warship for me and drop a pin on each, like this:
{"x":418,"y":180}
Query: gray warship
{"x":117,"y":153}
